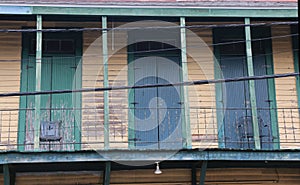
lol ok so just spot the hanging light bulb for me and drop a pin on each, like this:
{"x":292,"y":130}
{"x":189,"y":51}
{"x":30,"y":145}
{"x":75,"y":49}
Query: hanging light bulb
{"x":157,"y":171}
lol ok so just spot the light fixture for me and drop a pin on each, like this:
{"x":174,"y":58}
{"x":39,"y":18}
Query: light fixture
{"x":157,"y":171}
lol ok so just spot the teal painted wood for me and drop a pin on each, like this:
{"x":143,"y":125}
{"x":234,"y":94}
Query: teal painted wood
{"x":287,"y":158}
{"x":23,"y":99}
{"x":38,"y":71}
{"x":261,"y":67}
{"x":203,"y":173}
{"x":9,"y":175}
{"x":131,"y":113}
{"x":106,"y":176}
{"x":295,"y":41}
{"x":271,"y":88}
{"x":59,"y":71}
{"x":252,"y":85}
{"x":78,"y":85}
{"x":167,"y":12}
{"x":105,"y":82}
{"x":134,"y":93}
{"x":219,"y":94}
{"x":186,"y":128}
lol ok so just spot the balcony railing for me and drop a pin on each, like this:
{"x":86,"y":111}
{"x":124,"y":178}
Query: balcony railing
{"x":147,"y":129}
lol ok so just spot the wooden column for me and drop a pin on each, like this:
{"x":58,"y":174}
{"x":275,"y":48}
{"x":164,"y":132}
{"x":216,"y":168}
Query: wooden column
{"x":105,"y":81}
{"x":38,"y":71}
{"x":9,"y":175}
{"x":106,"y":174}
{"x":203,"y":173}
{"x":252,"y":85}
{"x":186,"y":130}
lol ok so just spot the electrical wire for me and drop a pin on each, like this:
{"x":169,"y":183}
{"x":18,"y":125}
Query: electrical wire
{"x":188,"y":83}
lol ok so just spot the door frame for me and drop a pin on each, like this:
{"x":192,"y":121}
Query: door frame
{"x":240,"y":34}
{"x":295,"y":47}
{"x":26,"y":39}
{"x":131,"y":80}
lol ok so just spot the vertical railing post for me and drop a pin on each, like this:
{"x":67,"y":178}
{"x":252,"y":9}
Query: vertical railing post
{"x":38,"y":70}
{"x":186,"y":130}
{"x":252,"y":84}
{"x":105,"y":81}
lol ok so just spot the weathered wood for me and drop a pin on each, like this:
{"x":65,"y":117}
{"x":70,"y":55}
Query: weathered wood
{"x":38,"y":84}
{"x":203,"y":173}
{"x":252,"y":85}
{"x":186,"y":130}
{"x":105,"y":82}
{"x":9,"y":175}
{"x":107,"y":171}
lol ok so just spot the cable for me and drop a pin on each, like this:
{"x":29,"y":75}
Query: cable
{"x":188,"y":83}
{"x":146,"y":28}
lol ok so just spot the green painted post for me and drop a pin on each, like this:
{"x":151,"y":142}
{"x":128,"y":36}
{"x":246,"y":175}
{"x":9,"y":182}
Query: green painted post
{"x":105,"y":82}
{"x":186,"y":129}
{"x":38,"y":82}
{"x":203,"y":173}
{"x":106,"y":174}
{"x":252,"y":85}
{"x":8,"y":175}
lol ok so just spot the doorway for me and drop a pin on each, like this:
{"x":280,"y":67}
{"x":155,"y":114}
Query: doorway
{"x":60,"y":70}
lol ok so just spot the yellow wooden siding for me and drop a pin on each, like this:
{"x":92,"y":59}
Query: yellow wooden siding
{"x":93,"y":102}
{"x":118,"y":76}
{"x":10,"y":57}
{"x":201,"y":97}
{"x":286,"y":94}
{"x":220,"y":176}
